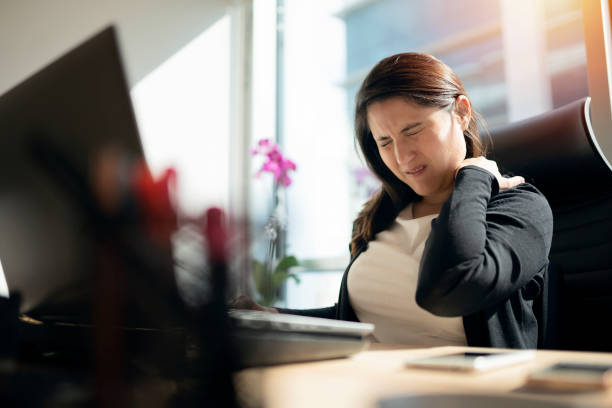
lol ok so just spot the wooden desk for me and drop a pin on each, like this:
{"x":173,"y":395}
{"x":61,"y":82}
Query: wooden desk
{"x":362,"y":380}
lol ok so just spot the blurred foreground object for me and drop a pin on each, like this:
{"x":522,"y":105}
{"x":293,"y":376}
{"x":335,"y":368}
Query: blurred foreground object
{"x":86,"y":239}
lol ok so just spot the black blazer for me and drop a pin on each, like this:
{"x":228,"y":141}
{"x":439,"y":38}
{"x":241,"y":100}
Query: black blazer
{"x":486,"y":260}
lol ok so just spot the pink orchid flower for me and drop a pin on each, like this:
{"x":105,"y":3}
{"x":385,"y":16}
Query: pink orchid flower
{"x":275,"y":162}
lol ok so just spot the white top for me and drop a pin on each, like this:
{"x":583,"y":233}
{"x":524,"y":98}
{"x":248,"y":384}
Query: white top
{"x":382,"y":287}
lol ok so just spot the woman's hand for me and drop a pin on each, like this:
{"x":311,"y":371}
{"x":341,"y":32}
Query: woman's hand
{"x":245,"y":302}
{"x":490,"y":166}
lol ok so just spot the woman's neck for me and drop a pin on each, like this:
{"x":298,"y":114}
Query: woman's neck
{"x":431,"y":204}
{"x":423,"y":209}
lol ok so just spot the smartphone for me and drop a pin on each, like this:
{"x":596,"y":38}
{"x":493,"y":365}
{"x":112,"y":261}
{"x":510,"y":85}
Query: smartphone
{"x":572,"y":375}
{"x":472,"y":361}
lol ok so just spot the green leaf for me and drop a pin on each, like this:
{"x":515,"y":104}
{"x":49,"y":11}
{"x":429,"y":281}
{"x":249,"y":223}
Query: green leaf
{"x":267,"y":286}
{"x":278,"y":278}
{"x":286,"y":263}
{"x":295,"y":278}
{"x":260,"y":278}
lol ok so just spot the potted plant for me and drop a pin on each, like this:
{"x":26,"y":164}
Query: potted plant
{"x":270,"y":274}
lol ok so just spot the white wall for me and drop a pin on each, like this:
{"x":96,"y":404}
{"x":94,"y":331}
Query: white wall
{"x":183,"y":113}
{"x":35,"y":32}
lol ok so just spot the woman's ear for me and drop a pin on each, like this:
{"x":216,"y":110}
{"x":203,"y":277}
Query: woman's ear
{"x":463,"y":110}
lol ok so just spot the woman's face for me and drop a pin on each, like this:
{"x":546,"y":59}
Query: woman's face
{"x":422,"y":146}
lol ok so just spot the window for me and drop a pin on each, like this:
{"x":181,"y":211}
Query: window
{"x":516,"y":58}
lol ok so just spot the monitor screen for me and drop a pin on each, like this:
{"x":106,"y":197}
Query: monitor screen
{"x":51,"y":126}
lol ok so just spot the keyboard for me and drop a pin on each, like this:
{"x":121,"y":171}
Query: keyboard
{"x":263,"y":338}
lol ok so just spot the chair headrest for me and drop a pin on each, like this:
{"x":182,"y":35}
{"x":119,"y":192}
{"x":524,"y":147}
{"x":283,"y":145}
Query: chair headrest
{"x":555,"y":152}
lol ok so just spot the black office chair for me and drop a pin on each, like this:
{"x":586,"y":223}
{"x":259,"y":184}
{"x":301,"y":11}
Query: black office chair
{"x":555,"y":152}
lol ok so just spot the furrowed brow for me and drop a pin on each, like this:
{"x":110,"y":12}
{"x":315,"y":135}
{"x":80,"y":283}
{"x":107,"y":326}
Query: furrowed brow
{"x":404,"y":129}
{"x":410,"y":126}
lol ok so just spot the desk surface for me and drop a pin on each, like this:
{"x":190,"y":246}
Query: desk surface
{"x":365,"y":378}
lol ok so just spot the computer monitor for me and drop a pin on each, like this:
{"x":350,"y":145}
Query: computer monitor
{"x":598,"y":40}
{"x":63,"y":114}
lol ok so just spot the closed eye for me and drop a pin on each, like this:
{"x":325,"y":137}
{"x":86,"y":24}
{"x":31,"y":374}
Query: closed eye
{"x":384,"y":141}
{"x":413,"y":133}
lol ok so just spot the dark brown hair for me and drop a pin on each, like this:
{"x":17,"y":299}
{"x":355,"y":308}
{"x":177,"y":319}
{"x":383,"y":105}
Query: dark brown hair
{"x":426,"y":81}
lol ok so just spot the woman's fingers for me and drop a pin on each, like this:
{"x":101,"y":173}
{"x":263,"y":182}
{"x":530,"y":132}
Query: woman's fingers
{"x":506,"y":183}
{"x":491,"y":167}
{"x":245,"y":302}
{"x":481,"y":162}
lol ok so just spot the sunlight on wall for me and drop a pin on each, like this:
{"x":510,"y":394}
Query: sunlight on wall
{"x":182,"y":110}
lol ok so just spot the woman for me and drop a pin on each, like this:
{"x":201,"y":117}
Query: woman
{"x":449,"y":252}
